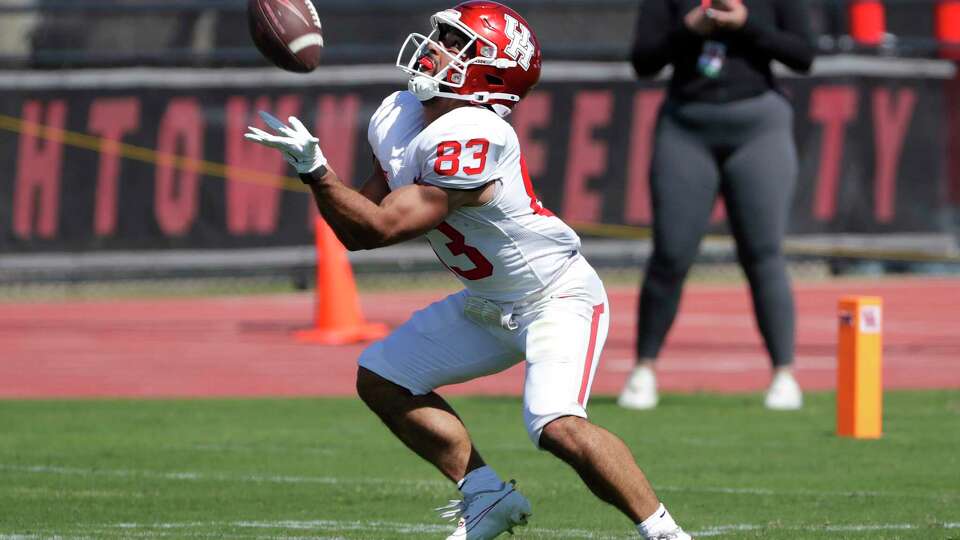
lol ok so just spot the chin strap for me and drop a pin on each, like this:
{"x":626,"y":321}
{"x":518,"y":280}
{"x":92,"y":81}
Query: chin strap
{"x":425,"y":88}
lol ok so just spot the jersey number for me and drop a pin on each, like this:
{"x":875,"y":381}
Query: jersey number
{"x":448,"y":157}
{"x":482,"y":268}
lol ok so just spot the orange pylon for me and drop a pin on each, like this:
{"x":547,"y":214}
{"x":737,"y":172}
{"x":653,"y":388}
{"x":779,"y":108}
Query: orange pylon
{"x":338,"y":319}
{"x":860,"y":367}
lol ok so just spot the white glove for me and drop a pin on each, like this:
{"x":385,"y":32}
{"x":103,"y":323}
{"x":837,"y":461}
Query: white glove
{"x":296,"y":142}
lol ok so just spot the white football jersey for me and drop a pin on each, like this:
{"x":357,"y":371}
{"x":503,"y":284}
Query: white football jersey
{"x":395,"y":123}
{"x":504,"y":250}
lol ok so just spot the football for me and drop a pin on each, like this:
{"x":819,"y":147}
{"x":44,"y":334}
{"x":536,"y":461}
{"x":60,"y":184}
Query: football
{"x":287,"y":32}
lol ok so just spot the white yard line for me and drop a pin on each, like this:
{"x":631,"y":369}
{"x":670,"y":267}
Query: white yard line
{"x":721,"y":530}
{"x":808,"y":492}
{"x":42,"y":537}
{"x":393,"y":527}
{"x":148,"y":530}
{"x":100,"y":534}
{"x":196,"y":476}
{"x":438,"y":484}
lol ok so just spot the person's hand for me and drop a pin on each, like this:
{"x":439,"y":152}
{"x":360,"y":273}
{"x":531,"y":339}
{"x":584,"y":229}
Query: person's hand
{"x":727,"y":14}
{"x":696,"y":21}
{"x":298,"y":145}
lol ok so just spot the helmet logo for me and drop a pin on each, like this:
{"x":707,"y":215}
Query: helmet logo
{"x":521,"y":47}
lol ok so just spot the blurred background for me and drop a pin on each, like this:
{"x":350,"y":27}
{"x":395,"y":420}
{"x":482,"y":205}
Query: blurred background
{"x":60,"y":34}
{"x":127,"y":86}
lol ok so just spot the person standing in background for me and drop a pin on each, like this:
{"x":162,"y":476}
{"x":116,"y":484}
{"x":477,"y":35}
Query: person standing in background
{"x":723,"y":129}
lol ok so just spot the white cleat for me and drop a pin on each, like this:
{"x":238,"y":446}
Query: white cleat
{"x":487,"y":514}
{"x":784,"y":393}
{"x":640,"y":392}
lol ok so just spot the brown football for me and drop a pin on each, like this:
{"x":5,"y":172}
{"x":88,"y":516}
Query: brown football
{"x":287,"y":32}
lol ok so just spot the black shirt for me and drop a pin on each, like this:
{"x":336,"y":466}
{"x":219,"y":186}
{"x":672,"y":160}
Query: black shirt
{"x":774,"y":30}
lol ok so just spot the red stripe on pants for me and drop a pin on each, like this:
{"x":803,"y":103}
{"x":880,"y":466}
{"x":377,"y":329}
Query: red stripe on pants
{"x":588,"y":362}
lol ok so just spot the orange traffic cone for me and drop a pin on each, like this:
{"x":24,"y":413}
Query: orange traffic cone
{"x":338,"y":318}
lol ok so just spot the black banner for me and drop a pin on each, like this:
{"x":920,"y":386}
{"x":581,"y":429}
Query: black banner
{"x":875,"y":158}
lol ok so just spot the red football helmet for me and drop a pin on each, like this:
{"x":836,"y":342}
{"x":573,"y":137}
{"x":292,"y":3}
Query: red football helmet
{"x":498,"y":66}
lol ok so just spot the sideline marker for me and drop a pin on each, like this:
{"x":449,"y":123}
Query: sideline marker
{"x":338,"y":319}
{"x":859,"y":367}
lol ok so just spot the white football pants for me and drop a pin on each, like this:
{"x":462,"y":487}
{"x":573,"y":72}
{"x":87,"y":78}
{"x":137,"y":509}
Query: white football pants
{"x":561,"y":331}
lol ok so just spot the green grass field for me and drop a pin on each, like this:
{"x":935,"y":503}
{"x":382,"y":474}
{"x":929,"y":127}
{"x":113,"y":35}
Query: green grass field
{"x":325,"y":468}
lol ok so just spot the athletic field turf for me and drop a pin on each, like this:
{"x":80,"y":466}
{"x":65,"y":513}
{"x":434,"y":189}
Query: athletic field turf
{"x":325,"y":468}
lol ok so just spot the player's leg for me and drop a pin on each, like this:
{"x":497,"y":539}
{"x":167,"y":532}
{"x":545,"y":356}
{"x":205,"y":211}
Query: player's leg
{"x":427,"y":424}
{"x":684,"y":180}
{"x":758,"y":185}
{"x":436,"y":347}
{"x":563,"y":343}
{"x":397,"y":376}
{"x":603,"y":462}
{"x":563,"y":348}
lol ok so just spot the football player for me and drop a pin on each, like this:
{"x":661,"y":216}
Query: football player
{"x":449,"y":167}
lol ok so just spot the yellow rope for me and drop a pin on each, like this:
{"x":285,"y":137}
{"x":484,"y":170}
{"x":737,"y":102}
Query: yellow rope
{"x":219,"y":170}
{"x":146,"y":155}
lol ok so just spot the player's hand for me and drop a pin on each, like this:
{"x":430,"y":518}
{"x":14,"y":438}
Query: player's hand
{"x":296,"y":142}
{"x":696,"y":21}
{"x":728,"y":14}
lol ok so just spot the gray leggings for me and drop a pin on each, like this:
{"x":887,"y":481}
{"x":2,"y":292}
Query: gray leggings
{"x":744,"y":151}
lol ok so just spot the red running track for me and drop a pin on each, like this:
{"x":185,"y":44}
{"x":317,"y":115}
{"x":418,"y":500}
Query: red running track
{"x":243,"y":346}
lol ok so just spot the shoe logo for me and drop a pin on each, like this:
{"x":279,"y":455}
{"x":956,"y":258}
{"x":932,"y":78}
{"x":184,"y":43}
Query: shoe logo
{"x":486,"y":510}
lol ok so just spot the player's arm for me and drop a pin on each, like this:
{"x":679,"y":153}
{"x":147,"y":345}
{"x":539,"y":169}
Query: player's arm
{"x":403,"y":214}
{"x":376,"y":186}
{"x":374,"y":189}
{"x":456,"y":168}
{"x":358,"y":221}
